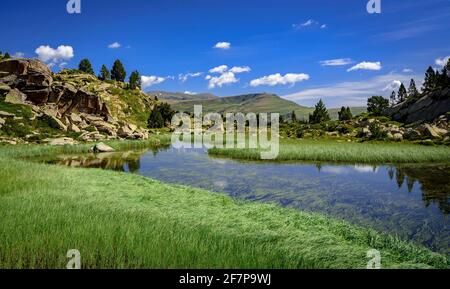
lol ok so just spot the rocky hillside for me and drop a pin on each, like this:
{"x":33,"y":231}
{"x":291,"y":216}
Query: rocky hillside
{"x":37,"y":105}
{"x":426,"y":109}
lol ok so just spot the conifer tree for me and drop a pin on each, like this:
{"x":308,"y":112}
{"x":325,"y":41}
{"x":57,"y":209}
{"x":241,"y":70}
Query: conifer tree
{"x":118,"y":72}
{"x":86,"y":66}
{"x":376,"y":105}
{"x":345,"y":114}
{"x":293,"y":116}
{"x":393,"y":98}
{"x":135,"y":80}
{"x":430,"y":80}
{"x":402,"y":93}
{"x":104,"y":73}
{"x":155,"y":120}
{"x":413,"y":93}
{"x":320,"y":113}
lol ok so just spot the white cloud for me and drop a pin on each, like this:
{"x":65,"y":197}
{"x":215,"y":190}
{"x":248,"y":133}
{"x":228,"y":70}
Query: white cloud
{"x":190,"y":92}
{"x":227,"y":76}
{"x":442,"y":61}
{"x":336,"y":62}
{"x":240,"y":69}
{"x":54,"y":56}
{"x":394,"y":85}
{"x":224,"y":78}
{"x":223,"y":45}
{"x":366,"y":66}
{"x":19,"y":54}
{"x":352,"y":93}
{"x":407,"y":70}
{"x":148,"y":81}
{"x":114,"y":45}
{"x":219,"y":69}
{"x":309,"y":23}
{"x":185,"y":77}
{"x":278,"y":79}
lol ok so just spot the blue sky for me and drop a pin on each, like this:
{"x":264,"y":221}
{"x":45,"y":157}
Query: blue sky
{"x":267,"y":46}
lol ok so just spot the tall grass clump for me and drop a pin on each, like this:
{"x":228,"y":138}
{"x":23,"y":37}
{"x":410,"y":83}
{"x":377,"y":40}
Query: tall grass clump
{"x":334,"y":151}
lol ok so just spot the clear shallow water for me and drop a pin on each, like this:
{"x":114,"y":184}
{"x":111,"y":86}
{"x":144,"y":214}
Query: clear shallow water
{"x":411,"y":201}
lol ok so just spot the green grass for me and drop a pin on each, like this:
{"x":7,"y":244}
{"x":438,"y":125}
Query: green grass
{"x":119,"y":220}
{"x":334,"y":151}
{"x":17,"y":109}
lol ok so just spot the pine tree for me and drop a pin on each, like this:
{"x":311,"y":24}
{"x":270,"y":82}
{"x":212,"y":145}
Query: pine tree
{"x":430,"y":80}
{"x":166,"y":112}
{"x":376,"y":105}
{"x":445,"y":76}
{"x":135,"y":80}
{"x":320,"y":113}
{"x":413,"y":93}
{"x":293,"y":116}
{"x":86,"y":66}
{"x":6,"y":56}
{"x":118,"y":72}
{"x":393,"y":98}
{"x":345,"y":114}
{"x":155,"y":120}
{"x":104,"y":73}
{"x":402,"y":94}
{"x":447,"y":67}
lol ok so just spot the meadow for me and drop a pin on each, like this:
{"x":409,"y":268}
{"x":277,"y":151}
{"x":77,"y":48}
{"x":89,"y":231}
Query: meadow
{"x":119,"y":220}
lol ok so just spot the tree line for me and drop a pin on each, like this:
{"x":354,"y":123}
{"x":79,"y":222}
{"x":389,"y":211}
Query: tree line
{"x":434,"y":81}
{"x":117,"y":73}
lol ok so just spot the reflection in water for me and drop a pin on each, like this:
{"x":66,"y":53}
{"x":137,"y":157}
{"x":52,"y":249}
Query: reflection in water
{"x":411,"y":201}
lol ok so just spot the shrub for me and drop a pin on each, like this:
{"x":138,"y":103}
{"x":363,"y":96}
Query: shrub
{"x":377,"y":132}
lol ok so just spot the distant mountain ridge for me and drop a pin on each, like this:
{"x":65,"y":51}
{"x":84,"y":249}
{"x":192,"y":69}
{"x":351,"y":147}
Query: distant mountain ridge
{"x":257,"y":103}
{"x":180,"y":96}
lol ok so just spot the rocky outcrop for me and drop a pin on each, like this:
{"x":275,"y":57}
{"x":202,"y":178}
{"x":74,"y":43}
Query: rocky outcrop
{"x":70,"y":101}
{"x":426,"y":109}
{"x":32,"y":81}
{"x":31,"y":77}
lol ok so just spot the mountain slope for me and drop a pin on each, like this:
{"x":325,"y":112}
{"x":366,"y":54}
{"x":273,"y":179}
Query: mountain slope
{"x":171,"y":97}
{"x":257,"y":103}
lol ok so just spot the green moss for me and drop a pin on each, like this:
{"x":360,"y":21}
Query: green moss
{"x":17,"y":109}
{"x":16,"y":128}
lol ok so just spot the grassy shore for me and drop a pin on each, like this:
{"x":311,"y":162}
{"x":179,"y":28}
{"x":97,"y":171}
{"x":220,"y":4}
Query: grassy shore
{"x":119,"y":220}
{"x":334,"y":151}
